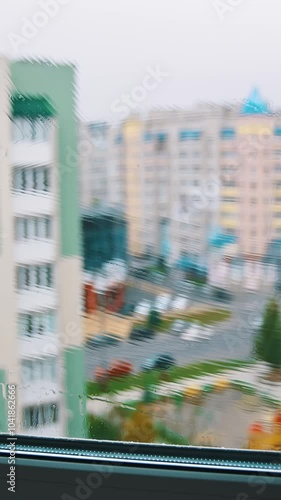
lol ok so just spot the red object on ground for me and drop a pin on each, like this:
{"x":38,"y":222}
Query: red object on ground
{"x":100,"y":374}
{"x":90,"y":298}
{"x":119,"y":369}
{"x":277,"y":418}
{"x":256,"y":427}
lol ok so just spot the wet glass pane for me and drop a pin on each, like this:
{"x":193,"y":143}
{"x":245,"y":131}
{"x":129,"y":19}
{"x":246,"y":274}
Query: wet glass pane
{"x":140,"y":221}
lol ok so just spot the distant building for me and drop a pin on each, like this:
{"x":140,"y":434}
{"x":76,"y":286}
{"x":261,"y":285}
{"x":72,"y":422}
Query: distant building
{"x":104,"y":235}
{"x":196,"y":169}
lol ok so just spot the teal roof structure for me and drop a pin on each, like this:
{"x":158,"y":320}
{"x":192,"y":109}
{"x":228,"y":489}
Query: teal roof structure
{"x":219,"y":240}
{"x":255,"y":104}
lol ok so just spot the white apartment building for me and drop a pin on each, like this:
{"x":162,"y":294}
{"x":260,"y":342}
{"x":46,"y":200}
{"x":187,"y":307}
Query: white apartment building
{"x":40,"y":337}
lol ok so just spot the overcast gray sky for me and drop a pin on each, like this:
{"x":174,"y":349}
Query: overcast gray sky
{"x":212,"y":50}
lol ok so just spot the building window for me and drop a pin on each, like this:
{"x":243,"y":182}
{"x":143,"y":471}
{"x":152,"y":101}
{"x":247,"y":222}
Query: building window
{"x":277,"y":168}
{"x":35,"y":416}
{"x":39,"y":369}
{"x":229,"y":183}
{"x":147,"y":137}
{"x":229,"y":199}
{"x":227,"y":133}
{"x":277,"y":131}
{"x":41,"y":276}
{"x":36,"y":323}
{"x":24,"y":129}
{"x":188,"y":135}
{"x":27,"y":228}
{"x":32,"y":179}
{"x":253,"y":185}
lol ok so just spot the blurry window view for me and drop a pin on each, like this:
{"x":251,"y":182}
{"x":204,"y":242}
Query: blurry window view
{"x":140,"y":222}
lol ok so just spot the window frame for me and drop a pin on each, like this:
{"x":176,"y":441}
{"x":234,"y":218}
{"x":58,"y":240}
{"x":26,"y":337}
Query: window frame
{"x":59,"y":467}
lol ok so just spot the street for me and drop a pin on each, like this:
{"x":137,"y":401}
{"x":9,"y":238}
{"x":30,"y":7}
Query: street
{"x":231,"y":339}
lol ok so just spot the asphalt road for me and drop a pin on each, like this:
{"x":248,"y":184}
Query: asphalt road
{"x":231,"y":339}
{"x":141,"y":289}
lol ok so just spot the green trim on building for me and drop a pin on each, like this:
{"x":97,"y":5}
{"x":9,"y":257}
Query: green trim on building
{"x":56,"y":86}
{"x":31,"y":106}
{"x":75,"y":392}
{"x":56,"y":83}
{"x":3,"y":402}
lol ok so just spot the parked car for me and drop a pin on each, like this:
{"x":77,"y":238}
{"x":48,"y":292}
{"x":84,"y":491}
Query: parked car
{"x":162,"y":302}
{"x":119,"y":368}
{"x":222,"y":295}
{"x":143,"y":308}
{"x":192,"y":332}
{"x":100,"y":374}
{"x":141,"y":333}
{"x":180,"y":303}
{"x":102,"y":340}
{"x":164,"y":362}
{"x":206,"y":332}
{"x":139,"y":273}
{"x":178,"y":326}
{"x":160,"y":362}
{"x":148,"y":365}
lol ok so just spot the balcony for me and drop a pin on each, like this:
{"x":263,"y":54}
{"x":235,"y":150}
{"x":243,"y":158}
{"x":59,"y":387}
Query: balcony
{"x":34,"y":251}
{"x":39,"y":345}
{"x":32,"y":153}
{"x":33,"y":203}
{"x":36,"y":298}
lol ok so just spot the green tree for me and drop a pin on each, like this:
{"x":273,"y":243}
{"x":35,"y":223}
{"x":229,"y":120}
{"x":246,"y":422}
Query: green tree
{"x":101,"y":428}
{"x":154,"y":320}
{"x":268,"y":341}
{"x":162,"y":264}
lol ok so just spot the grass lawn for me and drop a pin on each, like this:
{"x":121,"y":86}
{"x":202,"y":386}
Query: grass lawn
{"x":146,"y":379}
{"x":209,"y":317}
{"x":204,"y":317}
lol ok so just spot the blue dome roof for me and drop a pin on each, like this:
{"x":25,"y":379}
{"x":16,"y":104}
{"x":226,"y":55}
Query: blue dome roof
{"x":255,"y":104}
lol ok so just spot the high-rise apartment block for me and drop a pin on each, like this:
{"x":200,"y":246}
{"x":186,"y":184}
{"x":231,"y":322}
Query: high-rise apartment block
{"x":185,"y":177}
{"x":40,"y":264}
